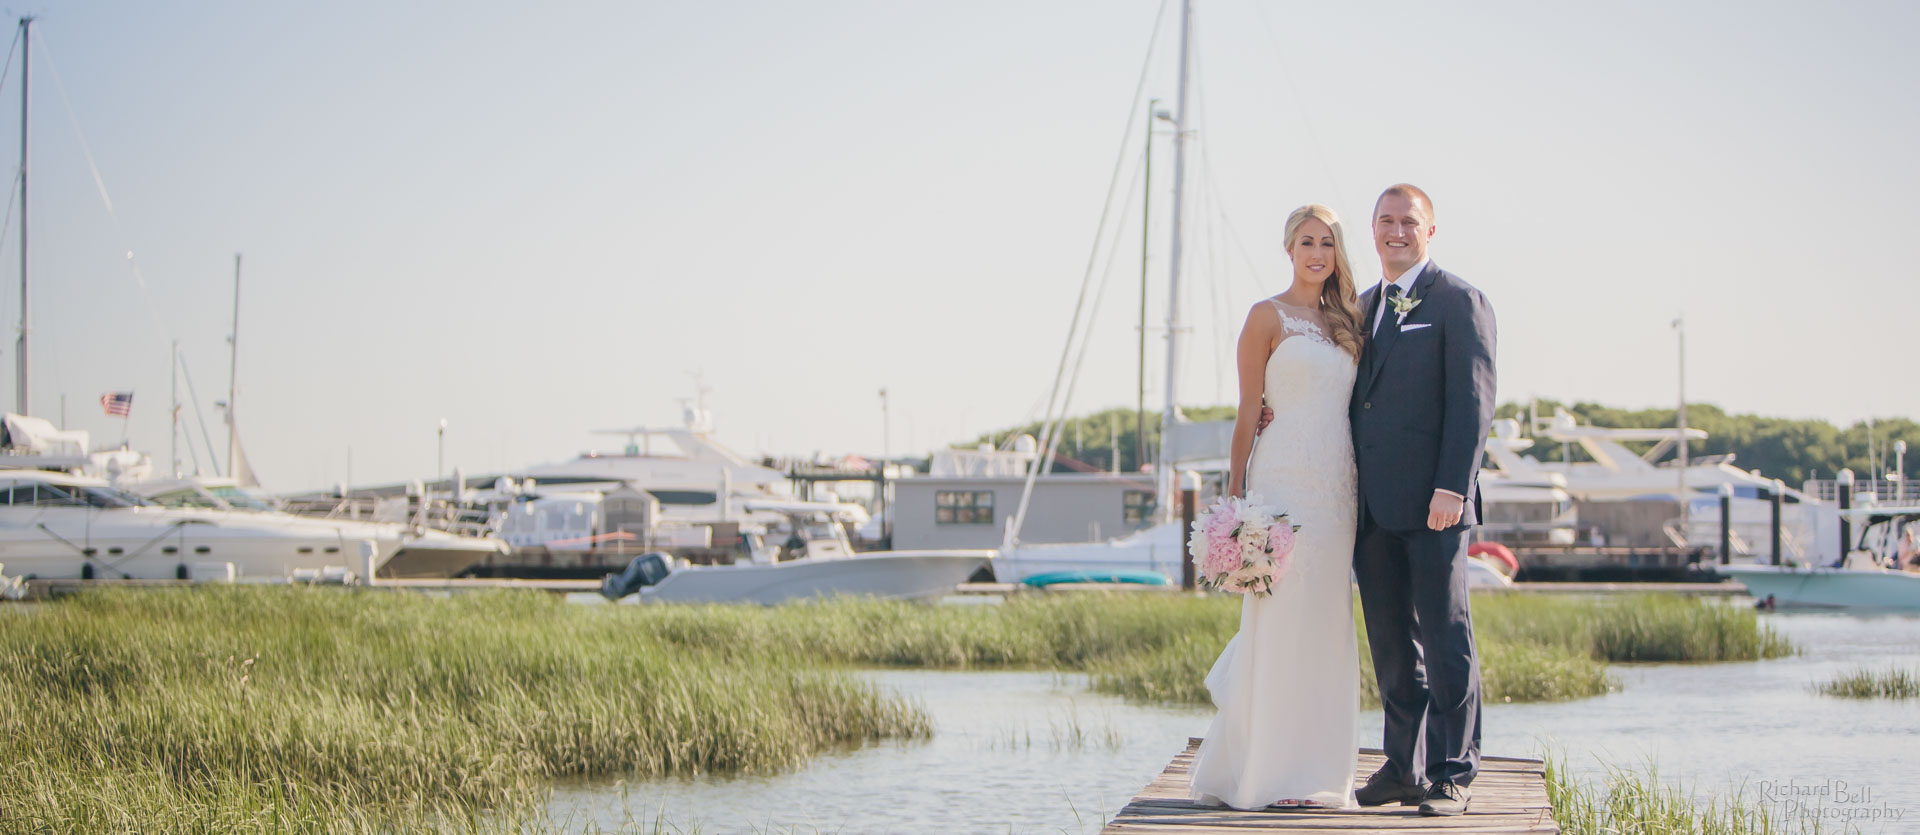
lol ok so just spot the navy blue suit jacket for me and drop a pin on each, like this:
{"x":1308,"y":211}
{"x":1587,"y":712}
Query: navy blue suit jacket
{"x":1423,"y":401}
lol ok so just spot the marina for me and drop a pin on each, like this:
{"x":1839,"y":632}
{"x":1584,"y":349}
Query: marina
{"x":802,"y":418}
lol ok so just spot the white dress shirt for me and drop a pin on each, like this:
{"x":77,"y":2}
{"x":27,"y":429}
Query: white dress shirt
{"x":1404,"y":282}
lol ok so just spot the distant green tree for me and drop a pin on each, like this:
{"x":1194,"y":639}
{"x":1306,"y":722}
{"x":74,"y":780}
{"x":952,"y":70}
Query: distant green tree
{"x":1785,"y":448}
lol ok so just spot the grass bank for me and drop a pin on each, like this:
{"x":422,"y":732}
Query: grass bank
{"x":315,"y":709}
{"x":1154,"y":647}
{"x":289,"y":709}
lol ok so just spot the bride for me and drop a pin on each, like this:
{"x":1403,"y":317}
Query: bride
{"x":1287,"y":685}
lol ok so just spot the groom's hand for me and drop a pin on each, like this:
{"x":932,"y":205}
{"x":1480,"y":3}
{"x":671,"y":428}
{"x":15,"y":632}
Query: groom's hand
{"x":1444,"y":511}
{"x":1266,"y":417}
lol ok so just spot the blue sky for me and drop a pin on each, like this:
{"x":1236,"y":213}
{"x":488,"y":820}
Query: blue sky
{"x":539,"y":221}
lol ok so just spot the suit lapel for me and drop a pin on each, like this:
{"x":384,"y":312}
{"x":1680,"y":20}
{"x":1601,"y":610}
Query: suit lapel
{"x":1389,"y":327}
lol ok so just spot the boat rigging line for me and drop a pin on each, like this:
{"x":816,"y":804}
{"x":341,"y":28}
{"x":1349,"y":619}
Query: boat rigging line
{"x":100,"y":184}
{"x":1052,"y":417}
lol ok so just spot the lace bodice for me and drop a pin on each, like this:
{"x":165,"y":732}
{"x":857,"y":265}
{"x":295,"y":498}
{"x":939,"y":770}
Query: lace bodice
{"x":1301,"y":322}
{"x":1303,"y":461}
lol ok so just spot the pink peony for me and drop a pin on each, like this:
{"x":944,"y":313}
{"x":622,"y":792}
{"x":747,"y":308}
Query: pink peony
{"x":1280,"y":536}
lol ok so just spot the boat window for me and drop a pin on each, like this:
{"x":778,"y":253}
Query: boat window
{"x":187,"y":497}
{"x":963,"y":507}
{"x":242,"y":498}
{"x":1137,"y":506}
{"x":41,"y":494}
{"x":685,"y":496}
{"x":113,"y":497}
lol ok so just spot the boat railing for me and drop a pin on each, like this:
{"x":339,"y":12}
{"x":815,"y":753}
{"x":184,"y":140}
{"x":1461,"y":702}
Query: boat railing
{"x":436,"y":514}
{"x":1885,"y":490}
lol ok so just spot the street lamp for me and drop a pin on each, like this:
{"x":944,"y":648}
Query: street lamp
{"x":1680,"y":329}
{"x":1899,"y":472}
{"x":440,"y":463}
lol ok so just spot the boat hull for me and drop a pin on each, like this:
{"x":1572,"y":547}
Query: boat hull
{"x":893,"y":575}
{"x":1832,"y":588}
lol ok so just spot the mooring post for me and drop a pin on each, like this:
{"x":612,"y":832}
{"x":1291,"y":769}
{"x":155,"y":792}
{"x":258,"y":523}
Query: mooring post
{"x":1779,"y":488}
{"x":1844,"y":486}
{"x":1726,"y":524}
{"x":1189,"y":506}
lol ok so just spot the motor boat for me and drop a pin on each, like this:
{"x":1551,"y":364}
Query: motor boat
{"x":1631,"y":489}
{"x":1876,"y":575}
{"x":892,"y":575}
{"x":57,"y":525}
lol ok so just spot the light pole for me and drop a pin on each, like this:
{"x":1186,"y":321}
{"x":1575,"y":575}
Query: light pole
{"x":886,"y":430}
{"x":1900,"y":472}
{"x":1680,"y":327}
{"x":440,"y":463}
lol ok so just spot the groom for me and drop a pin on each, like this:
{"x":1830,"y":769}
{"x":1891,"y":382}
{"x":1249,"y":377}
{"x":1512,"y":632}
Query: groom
{"x":1422,"y":403}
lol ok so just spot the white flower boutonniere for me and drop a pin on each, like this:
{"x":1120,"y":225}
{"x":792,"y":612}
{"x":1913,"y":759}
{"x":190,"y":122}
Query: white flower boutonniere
{"x":1403,"y":305}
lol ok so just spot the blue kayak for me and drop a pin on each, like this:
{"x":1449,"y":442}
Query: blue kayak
{"x":1053,"y":578}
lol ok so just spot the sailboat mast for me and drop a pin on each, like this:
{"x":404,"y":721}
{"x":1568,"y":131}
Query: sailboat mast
{"x":233,"y":371}
{"x":20,"y":353}
{"x":173,"y":435}
{"x":1163,"y":473}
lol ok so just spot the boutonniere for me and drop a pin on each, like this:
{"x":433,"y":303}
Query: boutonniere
{"x":1403,"y":305}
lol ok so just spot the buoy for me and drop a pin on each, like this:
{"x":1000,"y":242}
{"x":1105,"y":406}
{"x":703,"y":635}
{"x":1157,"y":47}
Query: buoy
{"x":1495,"y":551}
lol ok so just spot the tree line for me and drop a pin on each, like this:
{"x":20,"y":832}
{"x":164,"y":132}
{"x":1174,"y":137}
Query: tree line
{"x":1789,"y":449}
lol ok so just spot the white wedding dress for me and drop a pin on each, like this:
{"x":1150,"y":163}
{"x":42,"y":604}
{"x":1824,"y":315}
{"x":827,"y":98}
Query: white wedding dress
{"x":1287,"y":685}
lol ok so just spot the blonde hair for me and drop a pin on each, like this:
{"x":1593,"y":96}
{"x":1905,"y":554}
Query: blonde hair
{"x":1339,"y":304}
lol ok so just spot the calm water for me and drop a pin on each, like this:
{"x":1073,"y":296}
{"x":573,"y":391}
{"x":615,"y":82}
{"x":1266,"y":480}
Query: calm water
{"x":1035,"y":752}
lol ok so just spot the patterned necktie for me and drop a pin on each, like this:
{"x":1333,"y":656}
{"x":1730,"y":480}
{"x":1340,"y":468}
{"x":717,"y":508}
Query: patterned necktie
{"x":1382,"y":333}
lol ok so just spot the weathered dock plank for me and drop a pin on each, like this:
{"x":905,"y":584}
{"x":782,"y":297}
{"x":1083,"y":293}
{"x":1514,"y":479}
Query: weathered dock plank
{"x":1509,"y":795}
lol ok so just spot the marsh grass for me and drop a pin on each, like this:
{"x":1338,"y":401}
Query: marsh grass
{"x":254,"y":709}
{"x":296,"y":709}
{"x":1632,"y":628}
{"x":1865,"y":683}
{"x":1638,"y":801}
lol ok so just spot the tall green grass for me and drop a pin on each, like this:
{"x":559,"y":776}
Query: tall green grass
{"x":1159,"y":647}
{"x":252,"y":709}
{"x":1630,"y":801}
{"x":276,"y":709}
{"x":1873,"y":684}
{"x":1631,"y":628}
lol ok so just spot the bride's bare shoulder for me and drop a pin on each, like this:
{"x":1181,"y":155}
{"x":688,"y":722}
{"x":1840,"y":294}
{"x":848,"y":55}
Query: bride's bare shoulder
{"x":1263,"y":318}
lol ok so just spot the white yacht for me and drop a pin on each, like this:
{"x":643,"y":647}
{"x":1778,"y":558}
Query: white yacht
{"x":62,"y":526}
{"x":1626,"y":484}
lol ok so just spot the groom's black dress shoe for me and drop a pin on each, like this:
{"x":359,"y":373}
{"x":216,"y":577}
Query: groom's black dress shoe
{"x":1445,"y":799}
{"x":1381,"y":790}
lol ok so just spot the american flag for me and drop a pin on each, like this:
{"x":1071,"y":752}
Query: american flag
{"x":117,"y":403}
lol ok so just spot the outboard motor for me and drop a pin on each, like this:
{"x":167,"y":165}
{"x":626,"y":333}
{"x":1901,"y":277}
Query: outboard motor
{"x":645,"y":570}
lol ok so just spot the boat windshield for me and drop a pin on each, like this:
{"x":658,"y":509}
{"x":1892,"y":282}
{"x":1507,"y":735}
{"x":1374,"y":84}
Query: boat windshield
{"x":55,"y":495}
{"x":242,"y":498}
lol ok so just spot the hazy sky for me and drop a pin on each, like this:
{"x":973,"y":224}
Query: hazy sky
{"x":540,"y":220}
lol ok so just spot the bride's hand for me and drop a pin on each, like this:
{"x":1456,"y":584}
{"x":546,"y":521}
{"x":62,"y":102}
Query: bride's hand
{"x":1266,"y":417}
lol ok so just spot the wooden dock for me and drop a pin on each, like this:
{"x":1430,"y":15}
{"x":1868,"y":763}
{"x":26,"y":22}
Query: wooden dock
{"x":1509,"y":795}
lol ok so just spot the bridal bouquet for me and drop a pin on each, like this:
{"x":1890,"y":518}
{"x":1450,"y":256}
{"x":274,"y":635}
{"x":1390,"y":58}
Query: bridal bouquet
{"x":1241,"y":546}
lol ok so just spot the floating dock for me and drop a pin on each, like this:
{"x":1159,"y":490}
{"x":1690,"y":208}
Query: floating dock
{"x":1509,"y":796}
